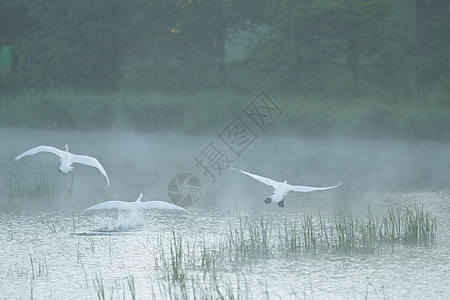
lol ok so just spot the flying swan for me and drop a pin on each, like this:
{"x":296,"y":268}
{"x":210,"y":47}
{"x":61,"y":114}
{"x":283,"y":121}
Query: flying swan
{"x":66,"y":158}
{"x":122,"y":205}
{"x":283,"y":188}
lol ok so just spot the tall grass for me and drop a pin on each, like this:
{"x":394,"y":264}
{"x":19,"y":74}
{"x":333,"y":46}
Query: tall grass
{"x":17,"y":187}
{"x":195,"y":268}
{"x":15,"y":184}
{"x":207,"y":286}
{"x":415,"y":227}
{"x":253,"y":240}
{"x":100,"y":287}
{"x":38,"y":269}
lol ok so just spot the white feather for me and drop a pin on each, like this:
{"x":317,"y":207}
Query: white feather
{"x":67,"y":159}
{"x":137,"y":205}
{"x":281,"y":189}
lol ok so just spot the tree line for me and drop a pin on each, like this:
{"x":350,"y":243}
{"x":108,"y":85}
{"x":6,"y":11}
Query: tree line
{"x":187,"y":45}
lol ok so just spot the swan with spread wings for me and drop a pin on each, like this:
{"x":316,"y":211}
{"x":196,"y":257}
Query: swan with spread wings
{"x":66,"y":159}
{"x":136,"y":205}
{"x":281,"y":189}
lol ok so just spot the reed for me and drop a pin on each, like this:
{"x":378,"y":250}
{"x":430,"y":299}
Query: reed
{"x":196,"y":267}
{"x":100,"y":288}
{"x":415,"y":227}
{"x":131,"y":286}
{"x":41,"y":270}
{"x":210,"y":286}
{"x":172,"y":263}
{"x":17,"y":187}
{"x":250,"y":241}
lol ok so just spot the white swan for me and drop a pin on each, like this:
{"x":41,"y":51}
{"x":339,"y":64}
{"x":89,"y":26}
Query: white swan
{"x":122,"y":205}
{"x":283,"y":188}
{"x":66,"y":158}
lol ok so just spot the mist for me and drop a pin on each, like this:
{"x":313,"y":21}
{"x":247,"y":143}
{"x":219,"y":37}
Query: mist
{"x":138,"y":162}
{"x":172,"y":97}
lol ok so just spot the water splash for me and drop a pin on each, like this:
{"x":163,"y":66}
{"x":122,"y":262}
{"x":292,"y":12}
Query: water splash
{"x":125,"y":222}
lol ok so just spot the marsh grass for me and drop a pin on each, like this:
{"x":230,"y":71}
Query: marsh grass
{"x":415,"y":227}
{"x":16,"y":186}
{"x":99,"y":286}
{"x":251,"y":241}
{"x":131,"y":286}
{"x":200,"y":267}
{"x":38,"y":268}
{"x":207,"y":286}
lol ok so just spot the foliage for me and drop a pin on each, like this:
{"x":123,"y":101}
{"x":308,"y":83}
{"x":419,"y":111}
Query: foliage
{"x":180,"y":45}
{"x":209,"y":112}
{"x":309,"y":38}
{"x":104,"y":53}
{"x":434,"y":49}
{"x":75,"y":44}
{"x":96,"y":45}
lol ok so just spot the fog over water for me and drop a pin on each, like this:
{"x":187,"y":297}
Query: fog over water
{"x":146,"y":163}
{"x":53,"y":228}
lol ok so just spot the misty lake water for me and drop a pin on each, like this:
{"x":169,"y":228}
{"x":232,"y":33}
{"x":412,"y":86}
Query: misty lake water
{"x":50,"y":249}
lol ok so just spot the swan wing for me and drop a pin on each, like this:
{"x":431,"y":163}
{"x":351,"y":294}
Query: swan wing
{"x":121,"y":205}
{"x":89,"y":161}
{"x":262,"y":179}
{"x":40,"y":149}
{"x":305,"y":189}
{"x":160,"y":205}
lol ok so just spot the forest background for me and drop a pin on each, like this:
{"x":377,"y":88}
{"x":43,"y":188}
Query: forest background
{"x":358,"y":68}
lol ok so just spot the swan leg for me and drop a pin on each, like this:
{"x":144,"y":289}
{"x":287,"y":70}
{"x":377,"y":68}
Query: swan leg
{"x":267,"y":201}
{"x":281,"y":203}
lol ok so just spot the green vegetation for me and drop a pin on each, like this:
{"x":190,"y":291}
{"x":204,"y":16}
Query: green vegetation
{"x":254,"y":240}
{"x":196,"y":268}
{"x":141,"y":112}
{"x":375,"y":68}
{"x":210,"y":112}
{"x":16,"y":186}
{"x":189,"y":265}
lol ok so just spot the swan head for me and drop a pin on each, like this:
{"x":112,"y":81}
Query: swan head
{"x":67,"y":147}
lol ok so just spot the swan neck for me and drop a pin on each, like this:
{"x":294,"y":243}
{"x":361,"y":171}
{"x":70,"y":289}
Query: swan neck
{"x":140,"y":197}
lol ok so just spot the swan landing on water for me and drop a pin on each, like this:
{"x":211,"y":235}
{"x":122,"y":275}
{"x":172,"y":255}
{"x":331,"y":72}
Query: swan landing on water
{"x":67,"y":159}
{"x":283,"y":188}
{"x":122,"y":205}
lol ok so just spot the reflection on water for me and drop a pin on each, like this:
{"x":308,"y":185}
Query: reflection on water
{"x":50,"y":249}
